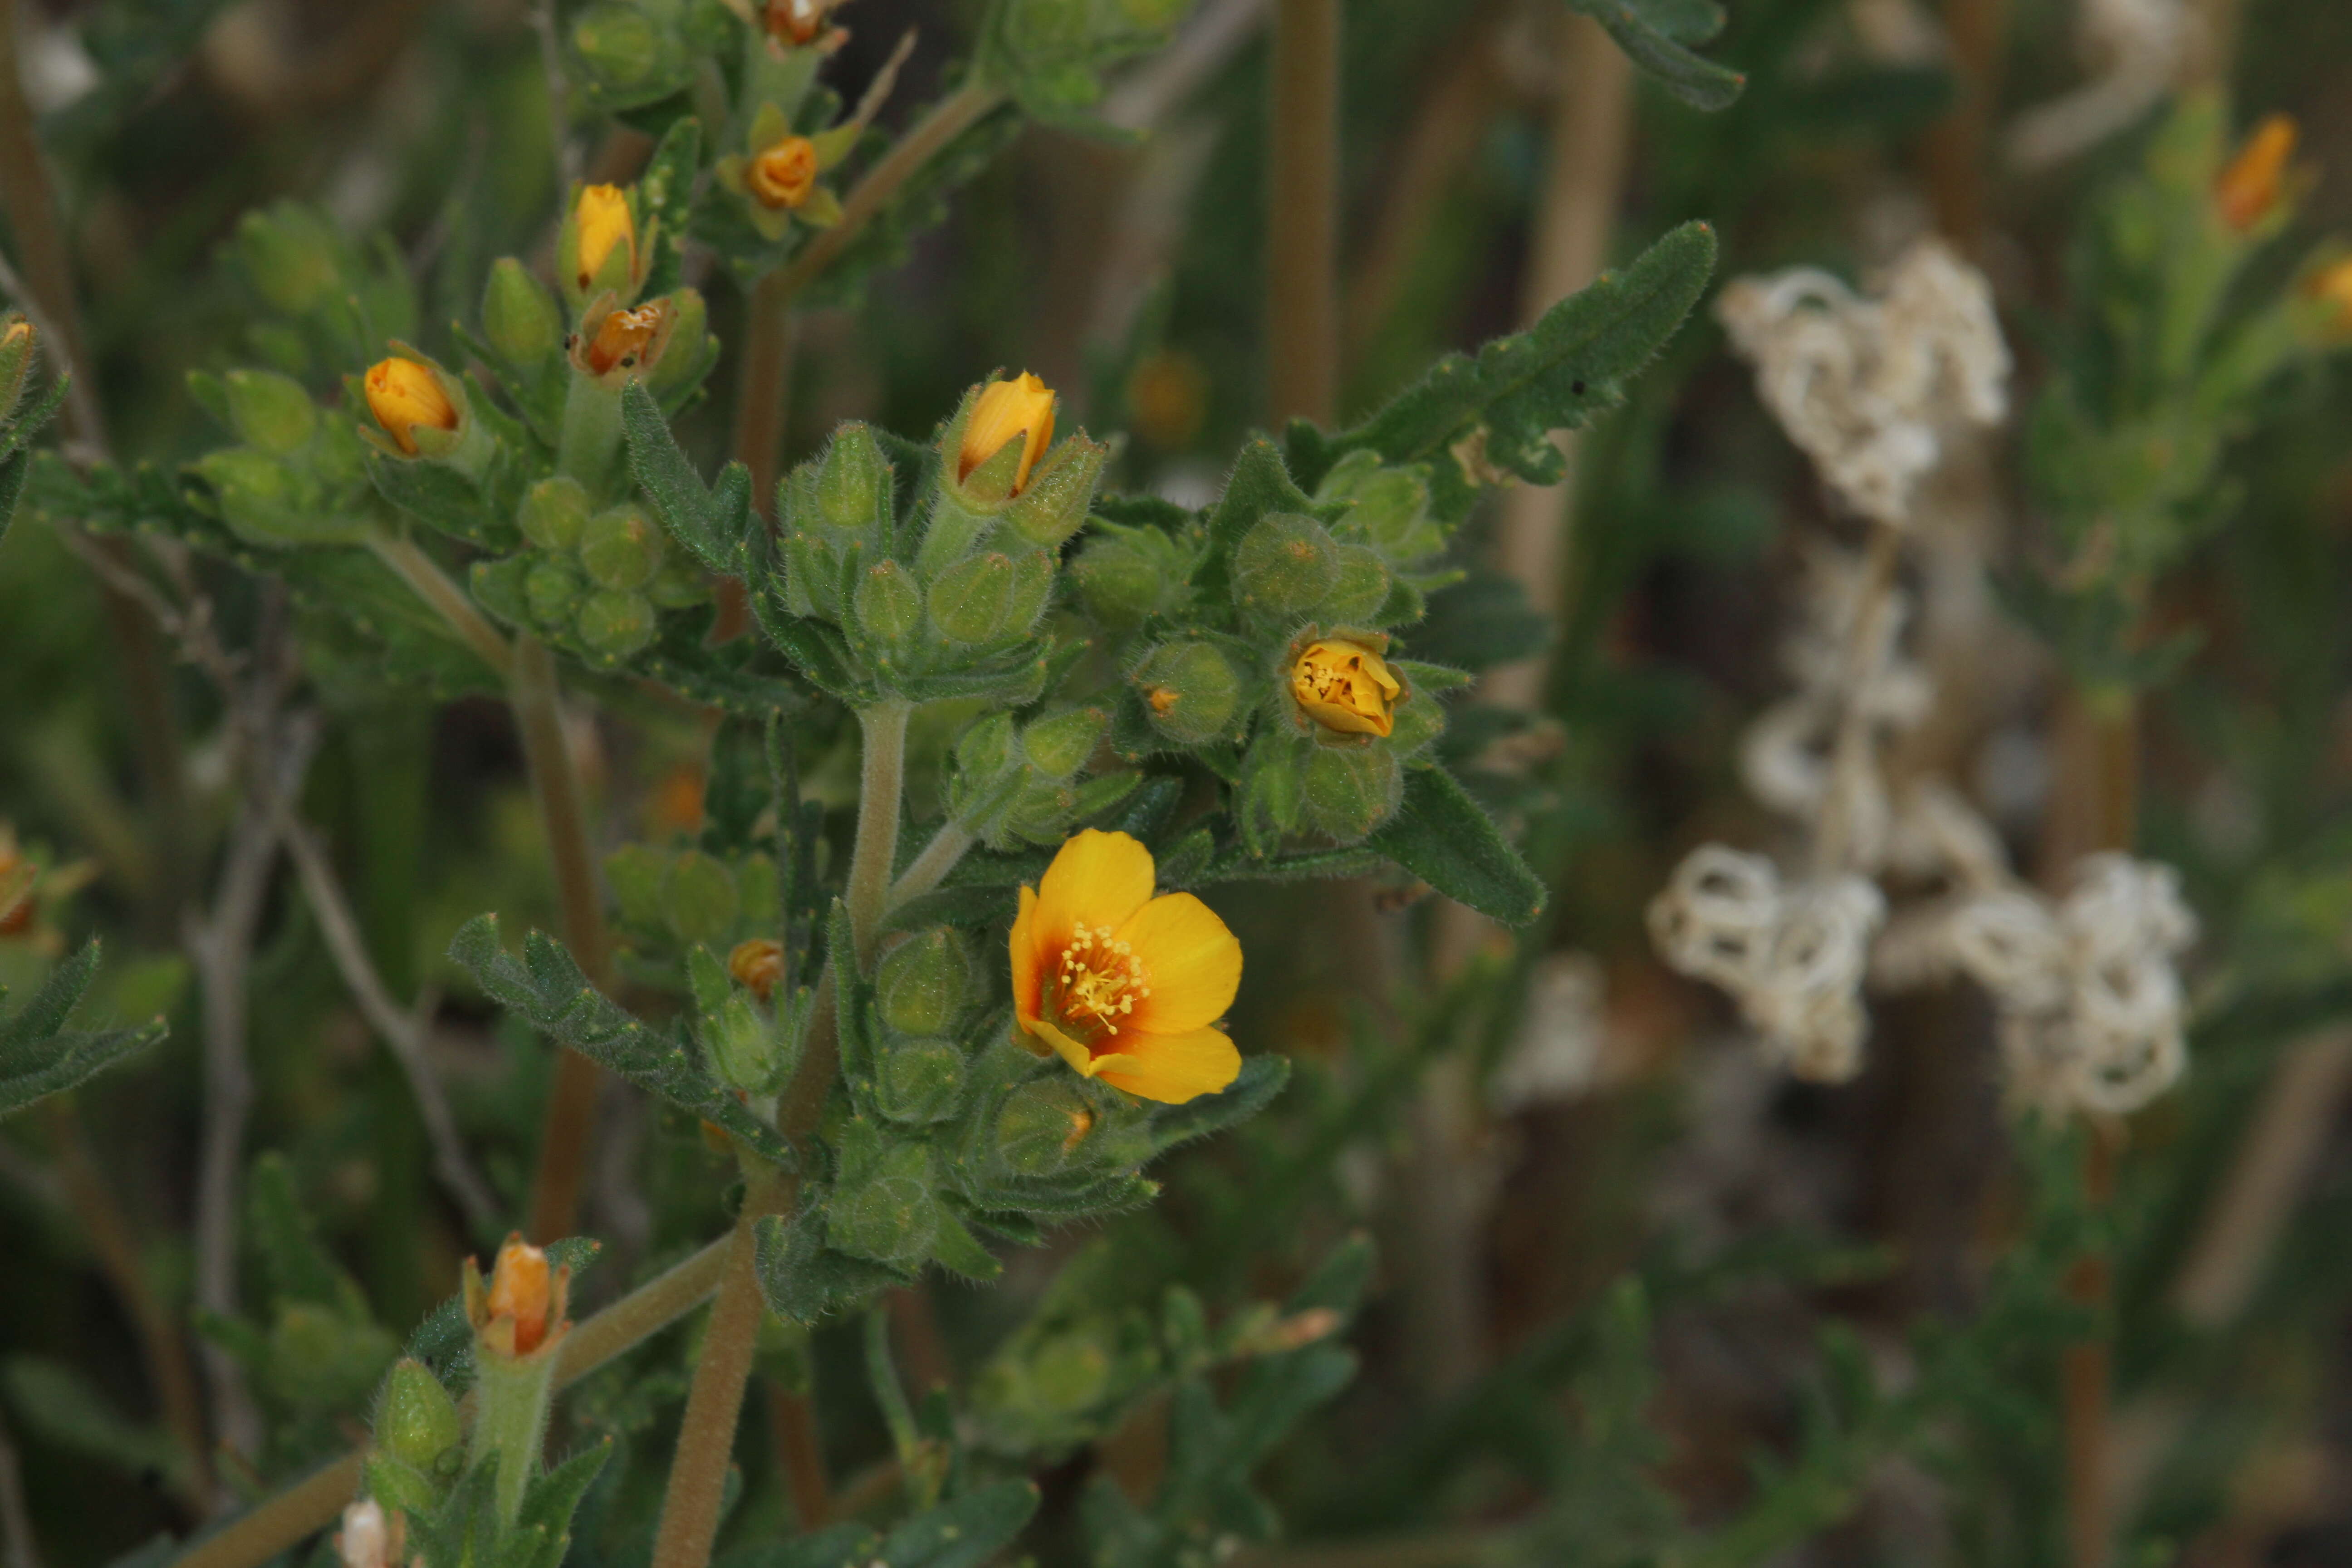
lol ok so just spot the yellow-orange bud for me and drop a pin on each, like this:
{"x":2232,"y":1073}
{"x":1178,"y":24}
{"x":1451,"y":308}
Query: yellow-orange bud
{"x":1009,"y":411}
{"x":783,"y":175}
{"x":605,"y":224}
{"x":521,"y":1292}
{"x":404,"y":396}
{"x":758,"y":964}
{"x":1345,"y":687}
{"x":2249,"y":187}
{"x":622,"y":338}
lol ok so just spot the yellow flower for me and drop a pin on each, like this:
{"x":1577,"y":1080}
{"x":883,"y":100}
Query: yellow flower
{"x":606,"y":225}
{"x":2332,"y":287}
{"x":522,"y":1310}
{"x":1008,"y":411}
{"x":2249,"y":187}
{"x":783,"y":175}
{"x":404,"y":396}
{"x":1345,"y":686}
{"x":758,"y":964}
{"x":1125,"y":985}
{"x":621,"y":337}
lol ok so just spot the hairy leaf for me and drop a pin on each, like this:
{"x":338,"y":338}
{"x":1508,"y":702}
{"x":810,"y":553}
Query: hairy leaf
{"x":41,"y":1056}
{"x":1442,"y":836}
{"x":1654,"y":35}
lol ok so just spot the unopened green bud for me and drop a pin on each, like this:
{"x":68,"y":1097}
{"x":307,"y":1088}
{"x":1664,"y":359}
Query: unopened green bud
{"x":991,"y":598}
{"x":520,"y":316}
{"x":416,"y":1420}
{"x":554,"y":514}
{"x":1054,"y":507}
{"x":290,"y":254}
{"x":919,"y":1082}
{"x":264,"y":501}
{"x":624,"y":47}
{"x":1059,"y":744}
{"x":1124,"y":575}
{"x":269,"y":411}
{"x":890,"y":1217}
{"x":699,"y":898}
{"x":553,"y":588}
{"x":853,"y":482}
{"x":925,"y":982}
{"x":1363,"y":587}
{"x":614,"y":623}
{"x":1350,"y":790}
{"x":887,"y":603}
{"x":16,"y":340}
{"x":621,"y":548}
{"x":1285,"y":566}
{"x":1190,"y":691}
{"x":1043,"y":1126}
{"x":636,"y":873}
{"x":1273,"y":779}
{"x":742,"y":1044}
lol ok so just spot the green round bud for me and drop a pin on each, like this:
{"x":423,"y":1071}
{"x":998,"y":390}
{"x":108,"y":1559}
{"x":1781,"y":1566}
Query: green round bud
{"x":887,"y":603}
{"x":264,"y":501}
{"x":1123,"y":577}
{"x":890,"y":1217}
{"x":554,"y":514}
{"x":416,"y":1420}
{"x":621,"y":548}
{"x":269,"y":411}
{"x":755,"y":886}
{"x":623,"y":47}
{"x":1350,"y":790}
{"x":520,"y":316}
{"x":1190,"y":691}
{"x":925,"y":982}
{"x":290,"y":254}
{"x":1054,"y":505}
{"x":16,"y":340}
{"x":1043,"y":1126}
{"x":1059,"y":744}
{"x":1285,"y":566}
{"x":699,"y":898}
{"x":615,"y":623}
{"x":636,"y":873}
{"x":919,"y":1082}
{"x":991,"y":598}
{"x":689,"y":353}
{"x":1363,"y":586}
{"x":552,"y":590}
{"x":853,"y":482}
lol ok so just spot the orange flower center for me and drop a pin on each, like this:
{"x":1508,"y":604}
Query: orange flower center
{"x":783,"y":174}
{"x":1096,"y":983}
{"x":622,"y":337}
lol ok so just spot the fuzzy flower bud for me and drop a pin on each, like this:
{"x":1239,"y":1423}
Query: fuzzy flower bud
{"x":988,"y":598}
{"x":268,"y":411}
{"x":782,"y":174}
{"x":554,"y":514}
{"x":1190,"y":689}
{"x":925,"y":984}
{"x":1021,"y":409}
{"x":886,"y":603}
{"x":2249,"y":187}
{"x":621,"y":548}
{"x":1345,"y":687}
{"x":406,"y":396}
{"x":416,"y":1422}
{"x":1286,"y":565}
{"x":853,"y":483}
{"x":1350,"y":790}
{"x":1043,"y":1126}
{"x":757,"y":966}
{"x":16,"y":340}
{"x":615,"y":621}
{"x":606,"y":227}
{"x":622,"y":340}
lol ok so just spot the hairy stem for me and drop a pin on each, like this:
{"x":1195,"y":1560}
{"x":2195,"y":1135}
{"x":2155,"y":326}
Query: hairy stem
{"x":928,"y":869}
{"x":451,"y":602}
{"x":882,"y":769}
{"x":800,"y":1453}
{"x":571,"y":1113}
{"x":1303,"y":220}
{"x":762,"y":387}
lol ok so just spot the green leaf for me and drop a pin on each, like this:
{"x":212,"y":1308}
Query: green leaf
{"x":57,"y":1403}
{"x":1653,"y":34}
{"x":847,"y":1545}
{"x":963,"y":1533}
{"x":1442,"y":836}
{"x":802,"y":1279}
{"x":41,"y":1056}
{"x":552,"y":1501}
{"x":1554,"y":377}
{"x":300,"y":1269}
{"x":441,"y":497}
{"x":667,"y":188}
{"x":546,"y":990}
{"x":710,"y":526}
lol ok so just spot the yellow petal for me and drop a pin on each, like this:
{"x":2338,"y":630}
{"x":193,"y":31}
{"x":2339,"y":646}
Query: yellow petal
{"x":1098,"y":880}
{"x":1190,"y":961}
{"x":1172,"y":1068}
{"x":1076,"y":1055}
{"x":1028,"y":963}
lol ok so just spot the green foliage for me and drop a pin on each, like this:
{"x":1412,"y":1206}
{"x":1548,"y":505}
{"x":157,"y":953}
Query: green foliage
{"x":1656,"y":34}
{"x":41,"y":1055}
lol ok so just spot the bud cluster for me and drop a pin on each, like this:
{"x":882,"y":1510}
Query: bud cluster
{"x":299,"y":474}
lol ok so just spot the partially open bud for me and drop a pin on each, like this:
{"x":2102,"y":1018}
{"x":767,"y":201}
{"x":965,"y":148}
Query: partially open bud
{"x":599,"y":250}
{"x":2249,"y":187}
{"x":757,"y":966}
{"x":370,"y":1538}
{"x":518,"y":316}
{"x":782,"y":174}
{"x":1345,"y":687}
{"x":520,"y":1312}
{"x":1019,"y":410}
{"x":518,"y":1329}
{"x":1190,"y":691}
{"x":624,"y":339}
{"x":407,"y":396}
{"x":797,"y":23}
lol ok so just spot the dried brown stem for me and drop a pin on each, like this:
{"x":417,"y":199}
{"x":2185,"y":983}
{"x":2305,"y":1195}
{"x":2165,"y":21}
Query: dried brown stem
{"x":18,"y":1548}
{"x":1303,"y":216}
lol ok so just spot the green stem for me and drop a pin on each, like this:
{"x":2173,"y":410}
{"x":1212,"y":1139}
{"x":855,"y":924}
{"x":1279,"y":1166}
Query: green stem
{"x":510,"y":1422}
{"x":882,"y":1371}
{"x":881,"y":783}
{"x":451,"y":602}
{"x":589,"y":448}
{"x":929,"y":869}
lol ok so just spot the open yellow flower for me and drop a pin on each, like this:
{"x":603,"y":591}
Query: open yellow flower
{"x":1125,"y":985}
{"x":606,"y":225}
{"x":783,"y":175}
{"x":404,"y":396}
{"x":1008,"y":411}
{"x":1345,"y":687}
{"x":2249,"y":187}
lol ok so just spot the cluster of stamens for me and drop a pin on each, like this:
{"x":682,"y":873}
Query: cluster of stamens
{"x":1099,"y":981}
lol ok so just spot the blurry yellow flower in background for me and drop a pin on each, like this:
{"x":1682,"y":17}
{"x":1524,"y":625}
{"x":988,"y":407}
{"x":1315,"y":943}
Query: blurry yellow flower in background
{"x":2250,"y":185}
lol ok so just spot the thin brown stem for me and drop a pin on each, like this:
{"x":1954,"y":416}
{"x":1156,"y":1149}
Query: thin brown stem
{"x":800,"y":1454}
{"x":764,"y":386}
{"x":451,"y":602}
{"x":1303,"y":216}
{"x":1957,"y":145}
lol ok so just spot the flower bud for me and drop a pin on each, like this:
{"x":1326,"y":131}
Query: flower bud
{"x":1042,"y":1126}
{"x":1345,"y":687}
{"x":1059,"y":744}
{"x":886,"y":603}
{"x":678,"y":585}
{"x":1363,"y":587}
{"x":991,"y":598}
{"x":924,"y":984}
{"x":518,"y":1329}
{"x":1390,"y":505}
{"x":782,"y":175}
{"x":1054,"y":506}
{"x":2248,"y":188}
{"x":621,"y":548}
{"x":699,"y":898}
{"x":522,"y":1311}
{"x":1350,"y":790}
{"x":624,"y":49}
{"x":264,"y":501}
{"x":890,"y":1217}
{"x":636,"y":873}
{"x":321,"y":1360}
{"x":853,"y":482}
{"x":17,"y":341}
{"x":292,"y":256}
{"x":919,"y":1082}
{"x":1190,"y":691}
{"x":614,"y":623}
{"x":757,"y":966}
{"x":269,"y":412}
{"x":742,"y":1044}
{"x":600,"y":243}
{"x":1006,"y":412}
{"x":624,"y":341}
{"x":796,"y":23}
{"x":1124,"y":574}
{"x":408,"y":396}
{"x":518,"y":315}
{"x":369,"y":1537}
{"x":1285,"y":566}
{"x":416,"y":1420}
{"x":690,"y":350}
{"x":554,"y":589}
{"x":554,"y":514}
